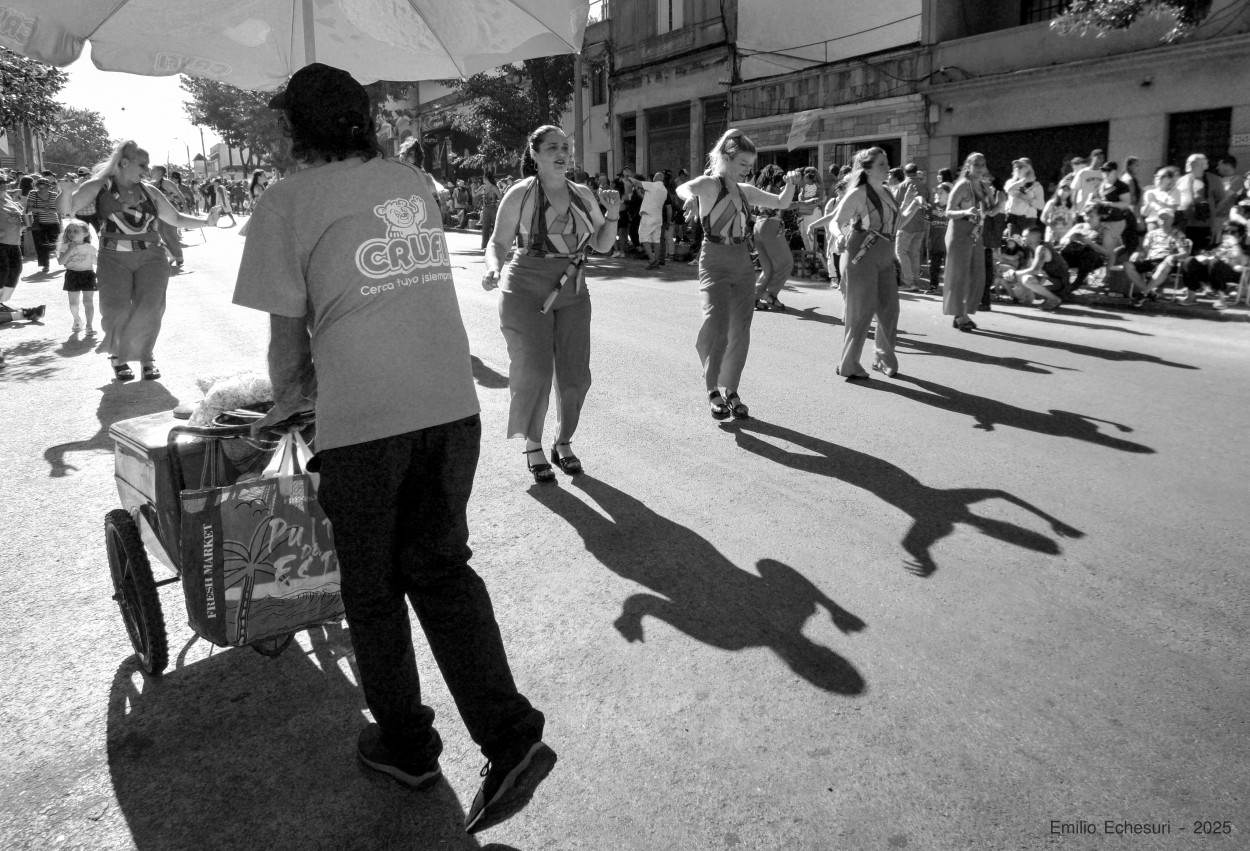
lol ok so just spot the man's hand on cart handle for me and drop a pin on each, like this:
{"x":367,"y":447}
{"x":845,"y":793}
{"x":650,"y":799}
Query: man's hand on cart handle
{"x":279,"y":414}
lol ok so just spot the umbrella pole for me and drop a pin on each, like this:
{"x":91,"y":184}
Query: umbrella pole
{"x":310,"y":38}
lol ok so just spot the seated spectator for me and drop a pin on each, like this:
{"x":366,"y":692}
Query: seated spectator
{"x":1083,"y":247}
{"x":1007,"y":261}
{"x":12,"y":314}
{"x":1163,"y":195}
{"x":1162,"y":247}
{"x":1215,"y":270}
{"x":1059,"y":215}
{"x":1046,"y":274}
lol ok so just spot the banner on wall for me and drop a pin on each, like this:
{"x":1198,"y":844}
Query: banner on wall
{"x":804,"y":128}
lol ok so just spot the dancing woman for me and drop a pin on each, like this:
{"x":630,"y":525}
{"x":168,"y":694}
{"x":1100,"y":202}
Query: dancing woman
{"x":970,"y":200}
{"x":865,"y":220}
{"x":726,"y":276}
{"x":544,"y":307}
{"x":771,"y":244}
{"x":132,"y":272}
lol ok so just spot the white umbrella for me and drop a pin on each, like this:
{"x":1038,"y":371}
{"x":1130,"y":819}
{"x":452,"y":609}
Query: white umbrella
{"x":258,"y":44}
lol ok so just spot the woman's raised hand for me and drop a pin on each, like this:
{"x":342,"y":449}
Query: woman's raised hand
{"x":610,"y":199}
{"x":795,"y":177}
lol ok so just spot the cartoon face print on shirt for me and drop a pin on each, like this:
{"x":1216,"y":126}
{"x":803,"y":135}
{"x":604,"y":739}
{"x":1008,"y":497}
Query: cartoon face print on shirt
{"x":410,"y":243}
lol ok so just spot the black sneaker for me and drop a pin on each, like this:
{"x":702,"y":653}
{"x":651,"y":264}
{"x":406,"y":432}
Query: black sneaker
{"x":374,"y":753}
{"x":29,"y":313}
{"x":509,"y":785}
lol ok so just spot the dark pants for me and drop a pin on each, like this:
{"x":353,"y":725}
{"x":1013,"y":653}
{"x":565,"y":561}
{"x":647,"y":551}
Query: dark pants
{"x":10,"y":265}
{"x":1083,"y":259}
{"x":1214,"y":273}
{"x":635,"y":219}
{"x":45,"y":236}
{"x":397,"y":506}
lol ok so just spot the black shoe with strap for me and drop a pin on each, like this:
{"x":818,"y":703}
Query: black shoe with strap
{"x":570,"y":463}
{"x":543,"y":474}
{"x":736,"y":407}
{"x":720,"y":411}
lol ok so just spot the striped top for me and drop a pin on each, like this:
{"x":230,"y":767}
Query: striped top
{"x":123,"y":226}
{"x":728,"y":216}
{"x":543,"y":233}
{"x":43,"y":209}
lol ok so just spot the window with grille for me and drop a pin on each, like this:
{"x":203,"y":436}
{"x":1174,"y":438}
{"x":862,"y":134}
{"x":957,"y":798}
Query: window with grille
{"x":598,"y":11}
{"x":668,"y":16}
{"x":1032,"y":11}
{"x":1204,"y":132}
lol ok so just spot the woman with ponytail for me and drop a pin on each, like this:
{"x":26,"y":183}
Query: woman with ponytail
{"x":544,"y":306}
{"x":726,"y":276}
{"x":132,"y":271}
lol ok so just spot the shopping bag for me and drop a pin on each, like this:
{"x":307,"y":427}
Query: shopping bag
{"x":258,"y":556}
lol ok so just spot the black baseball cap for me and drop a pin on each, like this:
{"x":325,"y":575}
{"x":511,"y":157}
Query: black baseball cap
{"x":321,"y":90}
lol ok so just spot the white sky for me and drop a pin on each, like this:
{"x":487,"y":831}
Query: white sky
{"x":146,"y":109}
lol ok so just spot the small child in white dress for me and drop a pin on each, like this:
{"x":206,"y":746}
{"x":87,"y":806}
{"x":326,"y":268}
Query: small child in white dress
{"x":75,"y":252}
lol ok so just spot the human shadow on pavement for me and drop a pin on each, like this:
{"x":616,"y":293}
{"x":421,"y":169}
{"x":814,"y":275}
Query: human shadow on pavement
{"x":934,"y":511}
{"x":1050,"y":320}
{"x":487,"y":377}
{"x":241,"y":751}
{"x":989,"y":413}
{"x":1078,"y":349}
{"x":117,"y":402}
{"x":928,"y":347}
{"x":700,"y":592}
{"x":810,"y":314}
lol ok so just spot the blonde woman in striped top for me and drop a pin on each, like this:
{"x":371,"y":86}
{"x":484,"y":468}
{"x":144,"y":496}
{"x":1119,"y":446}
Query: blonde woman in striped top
{"x":726,"y":275}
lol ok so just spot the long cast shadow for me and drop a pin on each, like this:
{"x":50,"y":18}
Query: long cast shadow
{"x":237,"y":751}
{"x":1078,"y":349}
{"x":701,"y":592}
{"x":934,"y":511}
{"x":1050,"y":320}
{"x":989,"y":413}
{"x":117,"y":402}
{"x":928,"y":347}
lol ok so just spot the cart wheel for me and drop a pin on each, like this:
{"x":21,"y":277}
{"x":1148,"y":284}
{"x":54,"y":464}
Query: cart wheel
{"x":273,"y":646}
{"x":134,"y":589}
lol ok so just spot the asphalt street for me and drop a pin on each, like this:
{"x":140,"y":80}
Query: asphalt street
{"x":999,"y":594}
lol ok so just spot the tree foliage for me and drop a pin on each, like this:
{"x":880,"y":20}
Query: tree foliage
{"x":1100,"y":16}
{"x":505,"y":105}
{"x":243,"y":119}
{"x":81,"y":140}
{"x":28,"y":92}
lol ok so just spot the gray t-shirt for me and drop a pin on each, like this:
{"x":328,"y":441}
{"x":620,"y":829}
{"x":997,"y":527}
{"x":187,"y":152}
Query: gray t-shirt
{"x":360,"y":244}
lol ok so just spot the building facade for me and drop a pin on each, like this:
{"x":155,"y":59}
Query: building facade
{"x":928,"y":80}
{"x":1006,"y":84}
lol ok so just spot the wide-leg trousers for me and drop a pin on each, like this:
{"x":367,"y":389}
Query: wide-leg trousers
{"x":965,"y":269}
{"x":776,"y":261}
{"x":132,"y":301}
{"x":544,"y":347}
{"x":727,"y":285}
{"x":869,"y":288}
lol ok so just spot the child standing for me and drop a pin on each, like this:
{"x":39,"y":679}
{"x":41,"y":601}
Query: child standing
{"x":75,"y":252}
